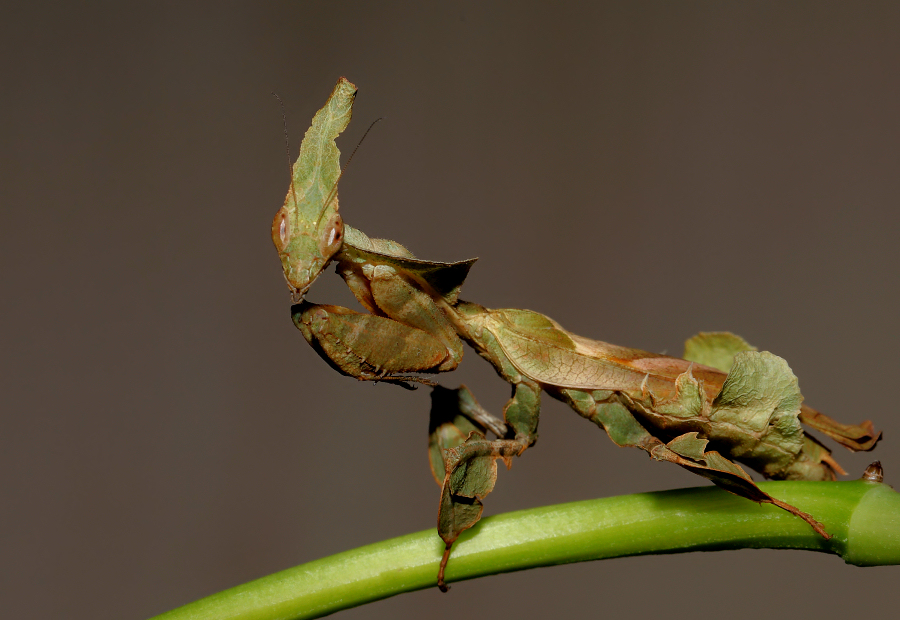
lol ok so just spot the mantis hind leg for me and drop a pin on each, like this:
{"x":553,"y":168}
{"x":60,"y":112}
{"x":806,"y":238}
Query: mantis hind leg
{"x":687,"y":450}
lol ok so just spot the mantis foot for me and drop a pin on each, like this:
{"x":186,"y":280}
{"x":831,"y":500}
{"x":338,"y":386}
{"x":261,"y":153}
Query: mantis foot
{"x":442,"y":585}
{"x":818,"y":527}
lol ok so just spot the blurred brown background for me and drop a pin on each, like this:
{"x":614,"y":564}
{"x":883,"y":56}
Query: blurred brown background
{"x":638,"y":171}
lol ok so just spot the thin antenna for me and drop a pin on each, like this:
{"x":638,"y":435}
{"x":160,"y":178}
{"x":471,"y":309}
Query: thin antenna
{"x":334,"y":189}
{"x":287,"y":145}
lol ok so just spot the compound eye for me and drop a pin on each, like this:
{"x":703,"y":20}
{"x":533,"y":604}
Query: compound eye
{"x":280,"y":230}
{"x":334,"y":236}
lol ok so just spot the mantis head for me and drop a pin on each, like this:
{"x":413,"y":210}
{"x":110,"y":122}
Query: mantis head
{"x":307,"y":238}
{"x":308,"y":231}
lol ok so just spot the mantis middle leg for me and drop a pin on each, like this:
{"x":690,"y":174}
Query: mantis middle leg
{"x":606,"y":410}
{"x":470,"y":468}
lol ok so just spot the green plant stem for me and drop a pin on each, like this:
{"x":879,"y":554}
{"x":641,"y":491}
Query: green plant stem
{"x":863,"y":517}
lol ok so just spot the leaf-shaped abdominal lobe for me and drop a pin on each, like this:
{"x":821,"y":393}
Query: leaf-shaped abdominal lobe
{"x":757,"y":413}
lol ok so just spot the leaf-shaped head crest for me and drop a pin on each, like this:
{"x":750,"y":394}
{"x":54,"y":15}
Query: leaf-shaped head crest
{"x":308,"y":231}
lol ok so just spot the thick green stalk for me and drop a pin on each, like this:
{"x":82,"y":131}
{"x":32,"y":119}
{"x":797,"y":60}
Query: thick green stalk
{"x":863,"y":517}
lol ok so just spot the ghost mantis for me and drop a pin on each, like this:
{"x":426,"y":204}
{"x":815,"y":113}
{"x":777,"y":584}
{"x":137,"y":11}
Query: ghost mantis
{"x":723,"y":402}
